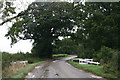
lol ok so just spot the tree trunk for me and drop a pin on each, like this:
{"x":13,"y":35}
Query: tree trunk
{"x":42,"y":49}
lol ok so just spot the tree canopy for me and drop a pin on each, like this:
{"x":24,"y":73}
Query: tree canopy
{"x":97,"y":23}
{"x":44,"y":23}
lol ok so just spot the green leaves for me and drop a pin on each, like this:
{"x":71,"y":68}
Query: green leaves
{"x":98,"y":23}
{"x":65,"y":46}
{"x":8,"y":9}
{"x":44,"y":23}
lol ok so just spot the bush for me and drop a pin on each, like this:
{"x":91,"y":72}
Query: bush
{"x":106,"y":68}
{"x":105,"y":55}
{"x":33,"y":60}
{"x":8,"y":58}
{"x":109,"y":59}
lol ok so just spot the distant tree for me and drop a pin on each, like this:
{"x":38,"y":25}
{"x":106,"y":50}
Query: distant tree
{"x":65,"y":46}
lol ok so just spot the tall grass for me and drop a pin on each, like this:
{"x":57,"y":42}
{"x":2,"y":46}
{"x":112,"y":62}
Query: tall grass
{"x":8,"y":58}
{"x":24,"y":71}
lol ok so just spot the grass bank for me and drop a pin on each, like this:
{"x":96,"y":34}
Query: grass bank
{"x":24,"y":71}
{"x":18,"y":70}
{"x":92,"y":68}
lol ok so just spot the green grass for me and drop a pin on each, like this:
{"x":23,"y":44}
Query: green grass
{"x":92,"y":68}
{"x":60,"y":56}
{"x":23,"y":72}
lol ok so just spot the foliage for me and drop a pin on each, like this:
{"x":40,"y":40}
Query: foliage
{"x":109,"y":59}
{"x":44,"y":23}
{"x":105,"y":54}
{"x":6,"y":10}
{"x":56,"y":56}
{"x":23,"y":72}
{"x":98,"y":25}
{"x":65,"y":46}
{"x":98,"y":70}
{"x":8,"y":58}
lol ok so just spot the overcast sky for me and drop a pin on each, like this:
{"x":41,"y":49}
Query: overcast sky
{"x":23,"y":45}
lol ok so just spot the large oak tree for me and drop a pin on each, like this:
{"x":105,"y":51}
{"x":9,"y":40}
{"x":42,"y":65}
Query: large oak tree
{"x":43,"y":23}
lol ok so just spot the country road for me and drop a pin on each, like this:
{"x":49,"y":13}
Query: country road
{"x":60,"y":69}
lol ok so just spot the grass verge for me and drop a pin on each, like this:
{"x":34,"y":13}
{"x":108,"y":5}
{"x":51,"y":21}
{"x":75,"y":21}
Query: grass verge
{"x":92,"y":68}
{"x":60,"y":56}
{"x":24,"y":71}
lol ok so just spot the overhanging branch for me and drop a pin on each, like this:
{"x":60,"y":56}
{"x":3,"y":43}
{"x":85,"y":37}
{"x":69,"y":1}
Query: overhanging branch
{"x":20,"y":14}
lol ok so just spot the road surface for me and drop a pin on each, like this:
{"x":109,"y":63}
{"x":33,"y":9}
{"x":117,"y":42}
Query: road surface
{"x":60,"y":69}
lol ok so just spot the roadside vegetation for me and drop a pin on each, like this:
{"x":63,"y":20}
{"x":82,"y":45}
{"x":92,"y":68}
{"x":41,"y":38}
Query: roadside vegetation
{"x":108,"y":57}
{"x":9,"y":70}
{"x":60,"y":56}
{"x":20,"y":70}
{"x":24,"y":71}
{"x":98,"y":70}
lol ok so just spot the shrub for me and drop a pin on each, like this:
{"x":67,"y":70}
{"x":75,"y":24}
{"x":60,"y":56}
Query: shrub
{"x":33,"y":60}
{"x":105,"y":55}
{"x":109,"y":59}
{"x":8,"y":58}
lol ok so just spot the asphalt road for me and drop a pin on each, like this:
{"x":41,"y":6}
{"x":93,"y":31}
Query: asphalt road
{"x":60,"y":69}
